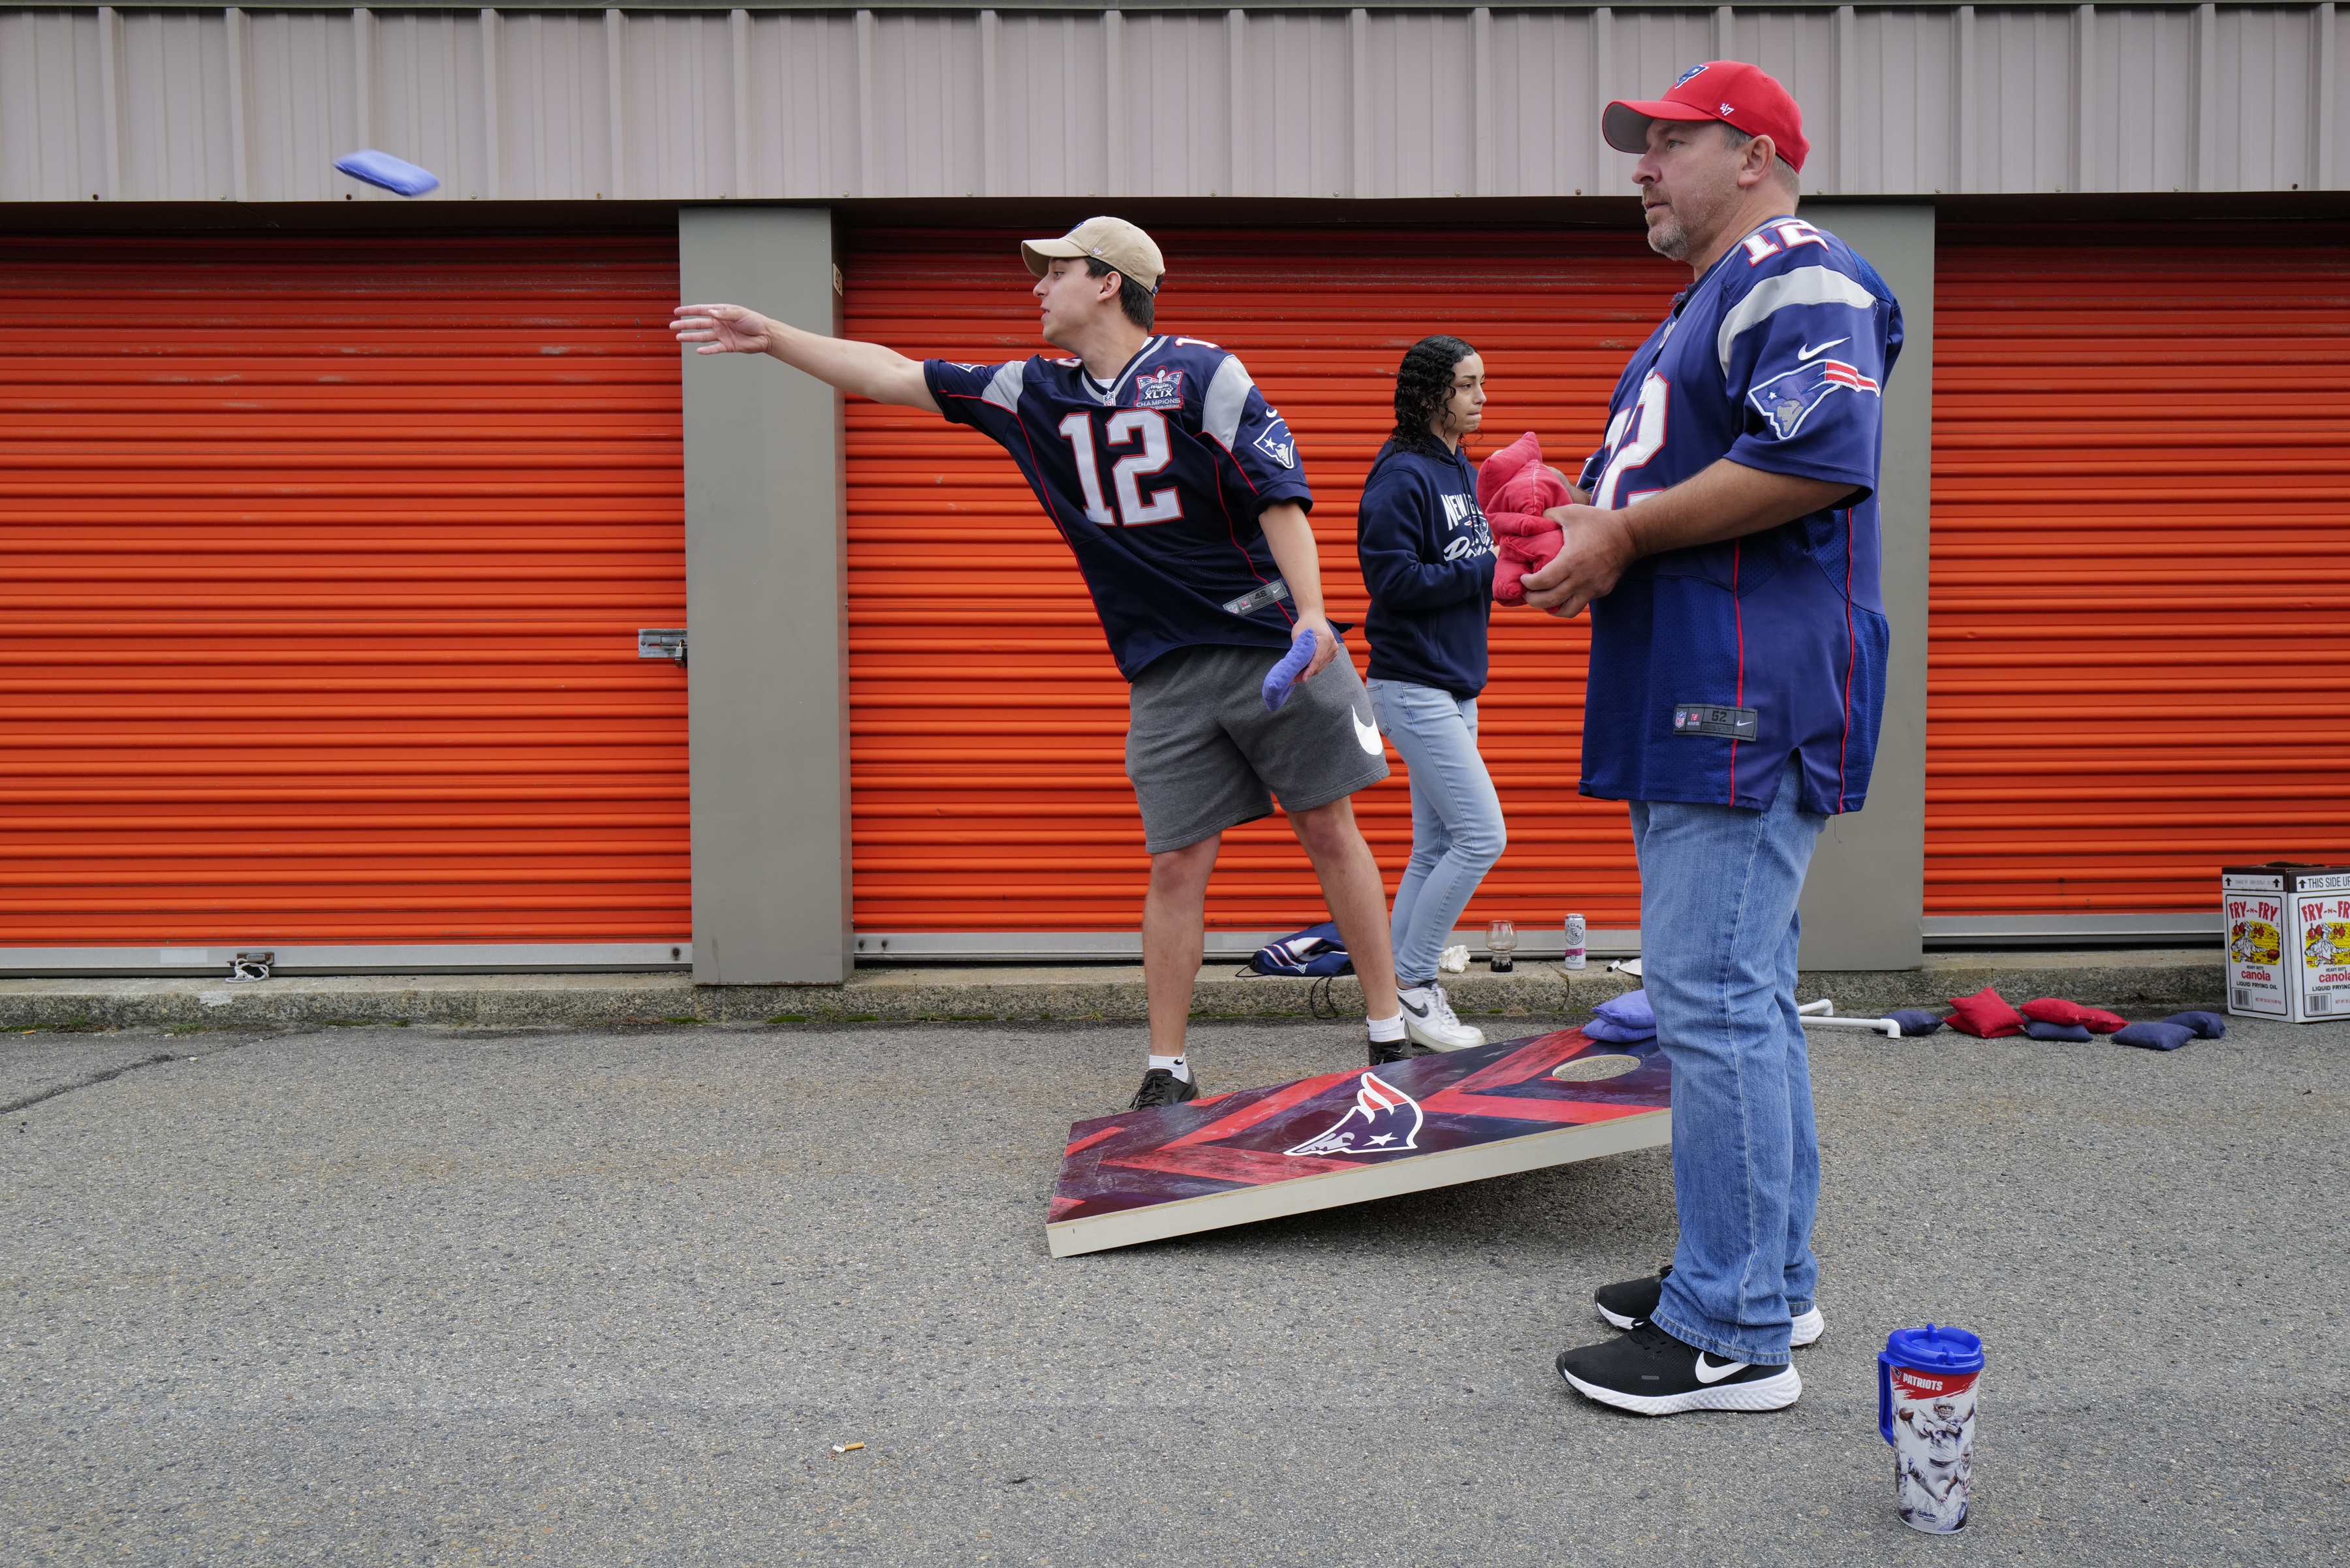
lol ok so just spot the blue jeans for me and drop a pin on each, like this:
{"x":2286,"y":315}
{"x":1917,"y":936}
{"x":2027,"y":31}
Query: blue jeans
{"x":1718,"y":934}
{"x":1456,"y":818}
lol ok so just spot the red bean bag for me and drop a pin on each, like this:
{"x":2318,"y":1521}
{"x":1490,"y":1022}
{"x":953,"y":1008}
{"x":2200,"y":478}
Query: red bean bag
{"x":1985,"y":1014}
{"x":2054,"y":1010}
{"x":1514,"y":490}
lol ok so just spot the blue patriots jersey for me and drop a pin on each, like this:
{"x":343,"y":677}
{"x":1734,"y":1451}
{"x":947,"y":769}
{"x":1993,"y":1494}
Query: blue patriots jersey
{"x":1157,"y":481}
{"x":1711,"y":665}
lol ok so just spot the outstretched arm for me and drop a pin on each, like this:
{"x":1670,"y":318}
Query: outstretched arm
{"x":868,"y":369}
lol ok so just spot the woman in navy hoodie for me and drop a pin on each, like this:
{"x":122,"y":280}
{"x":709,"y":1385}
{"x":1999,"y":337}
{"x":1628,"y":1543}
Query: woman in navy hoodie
{"x":1427,"y":558}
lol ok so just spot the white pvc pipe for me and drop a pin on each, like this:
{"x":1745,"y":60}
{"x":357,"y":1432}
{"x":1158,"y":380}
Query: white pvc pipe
{"x":1885,"y":1026}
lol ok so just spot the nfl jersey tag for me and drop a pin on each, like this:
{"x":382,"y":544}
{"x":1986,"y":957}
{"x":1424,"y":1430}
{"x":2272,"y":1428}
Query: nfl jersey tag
{"x":1256,"y":599}
{"x":1704,"y":719}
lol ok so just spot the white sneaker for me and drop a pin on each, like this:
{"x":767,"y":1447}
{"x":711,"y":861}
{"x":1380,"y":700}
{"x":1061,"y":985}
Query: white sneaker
{"x":1428,"y":1020}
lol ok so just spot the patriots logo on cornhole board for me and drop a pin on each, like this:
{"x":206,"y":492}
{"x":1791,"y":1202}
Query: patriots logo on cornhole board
{"x":1350,"y":1138}
{"x":1377,"y":1105}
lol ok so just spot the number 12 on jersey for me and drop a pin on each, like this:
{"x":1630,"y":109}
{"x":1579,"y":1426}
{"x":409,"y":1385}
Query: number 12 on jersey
{"x":1127,"y":427}
{"x":1635,"y":435}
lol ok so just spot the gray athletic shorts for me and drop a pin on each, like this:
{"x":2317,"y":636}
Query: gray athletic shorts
{"x":1204,"y":755}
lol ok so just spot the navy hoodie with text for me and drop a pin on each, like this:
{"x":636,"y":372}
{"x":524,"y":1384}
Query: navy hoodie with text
{"x":1428,"y":559}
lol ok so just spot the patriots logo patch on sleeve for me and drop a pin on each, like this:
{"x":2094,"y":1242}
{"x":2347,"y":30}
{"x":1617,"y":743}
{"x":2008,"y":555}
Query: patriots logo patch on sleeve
{"x":1159,"y":389}
{"x":1276,"y":444}
{"x":1787,"y":400}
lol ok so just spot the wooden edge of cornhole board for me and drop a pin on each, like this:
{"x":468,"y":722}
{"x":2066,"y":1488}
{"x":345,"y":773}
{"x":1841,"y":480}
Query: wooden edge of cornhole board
{"x":1488,"y":1104}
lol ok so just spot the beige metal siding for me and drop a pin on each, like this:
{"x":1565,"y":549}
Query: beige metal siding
{"x":676,"y":105}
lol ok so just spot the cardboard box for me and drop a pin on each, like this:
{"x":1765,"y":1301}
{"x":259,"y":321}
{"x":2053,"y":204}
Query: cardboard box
{"x":2287,"y":927}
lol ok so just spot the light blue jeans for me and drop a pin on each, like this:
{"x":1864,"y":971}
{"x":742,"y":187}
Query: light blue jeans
{"x":1456,"y":817}
{"x":1718,"y":934}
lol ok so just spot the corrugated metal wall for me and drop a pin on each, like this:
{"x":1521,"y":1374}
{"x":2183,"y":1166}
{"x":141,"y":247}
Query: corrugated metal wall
{"x":327,"y":560}
{"x":986,"y":718}
{"x":192,"y":105}
{"x":2141,"y":564}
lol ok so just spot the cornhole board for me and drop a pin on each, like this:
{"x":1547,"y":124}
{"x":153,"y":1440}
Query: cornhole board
{"x":1355,"y":1136}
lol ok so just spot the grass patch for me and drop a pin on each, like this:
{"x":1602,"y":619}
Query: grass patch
{"x":185,"y":1029}
{"x":789,"y":1018}
{"x":860,"y":1018}
{"x":970,"y":1017}
{"x":680,"y":1021}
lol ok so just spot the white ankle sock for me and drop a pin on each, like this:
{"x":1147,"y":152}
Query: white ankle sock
{"x":1386,"y":1029}
{"x":1178,"y":1065}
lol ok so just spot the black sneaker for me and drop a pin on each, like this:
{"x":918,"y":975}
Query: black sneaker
{"x":1161,"y":1086}
{"x":1628,"y":1303}
{"x":1382,"y":1051}
{"x":1649,"y":1372}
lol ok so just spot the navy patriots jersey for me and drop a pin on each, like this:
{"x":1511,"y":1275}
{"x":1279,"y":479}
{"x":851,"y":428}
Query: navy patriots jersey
{"x":1157,"y":481}
{"x":1711,"y":665}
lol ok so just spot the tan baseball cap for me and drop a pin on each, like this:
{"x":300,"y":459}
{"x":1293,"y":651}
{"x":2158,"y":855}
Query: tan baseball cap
{"x":1113,"y":241}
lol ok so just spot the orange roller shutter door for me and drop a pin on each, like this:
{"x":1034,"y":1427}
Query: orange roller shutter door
{"x":2140,"y":659}
{"x":987,"y":721}
{"x":329,"y":559}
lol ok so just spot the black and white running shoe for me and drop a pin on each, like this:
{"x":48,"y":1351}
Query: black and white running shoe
{"x":1650,"y":1372}
{"x":1628,"y":1303}
{"x":1382,"y":1051}
{"x":1161,"y":1086}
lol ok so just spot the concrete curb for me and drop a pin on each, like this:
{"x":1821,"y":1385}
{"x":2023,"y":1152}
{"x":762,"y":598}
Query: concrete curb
{"x":2149,"y":982}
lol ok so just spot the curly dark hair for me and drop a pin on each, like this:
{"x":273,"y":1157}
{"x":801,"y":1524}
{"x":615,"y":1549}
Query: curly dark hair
{"x":1424,"y":385}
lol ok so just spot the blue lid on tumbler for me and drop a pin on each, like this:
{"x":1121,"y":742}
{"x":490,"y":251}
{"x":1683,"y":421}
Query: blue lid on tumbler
{"x":1934,"y":1349}
{"x":1928,"y":1349}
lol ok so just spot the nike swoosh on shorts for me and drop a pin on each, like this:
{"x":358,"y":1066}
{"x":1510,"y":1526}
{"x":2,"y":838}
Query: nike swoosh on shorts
{"x":1367,"y":734}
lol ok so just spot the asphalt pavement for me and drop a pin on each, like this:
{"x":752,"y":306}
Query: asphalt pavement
{"x":381,"y":1295}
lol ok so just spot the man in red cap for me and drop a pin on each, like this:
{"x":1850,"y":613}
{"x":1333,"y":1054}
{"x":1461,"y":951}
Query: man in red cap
{"x":1725,"y":538}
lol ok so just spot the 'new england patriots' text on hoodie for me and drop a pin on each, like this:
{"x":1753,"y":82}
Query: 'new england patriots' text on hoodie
{"x":1428,"y":559}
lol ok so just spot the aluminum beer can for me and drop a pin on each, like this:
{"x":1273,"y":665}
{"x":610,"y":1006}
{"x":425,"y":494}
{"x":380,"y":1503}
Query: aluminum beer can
{"x":1926,"y":1409}
{"x":1573,"y":959}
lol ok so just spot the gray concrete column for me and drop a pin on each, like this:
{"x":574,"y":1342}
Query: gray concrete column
{"x":766,"y":594}
{"x":1864,"y":903}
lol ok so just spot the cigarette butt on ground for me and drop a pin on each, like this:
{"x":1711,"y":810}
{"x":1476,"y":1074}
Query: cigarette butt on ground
{"x":846,"y":1447}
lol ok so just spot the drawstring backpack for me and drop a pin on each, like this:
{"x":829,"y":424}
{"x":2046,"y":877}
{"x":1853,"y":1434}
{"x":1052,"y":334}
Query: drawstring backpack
{"x":1316,"y":953}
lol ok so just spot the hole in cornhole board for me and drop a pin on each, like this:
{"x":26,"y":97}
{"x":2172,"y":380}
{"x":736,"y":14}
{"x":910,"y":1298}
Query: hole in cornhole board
{"x":1583,"y":1069}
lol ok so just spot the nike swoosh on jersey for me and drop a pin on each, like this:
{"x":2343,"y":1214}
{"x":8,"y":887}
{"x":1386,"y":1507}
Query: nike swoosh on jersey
{"x":1367,"y":734}
{"x":1808,"y":352}
{"x":1711,"y":1374}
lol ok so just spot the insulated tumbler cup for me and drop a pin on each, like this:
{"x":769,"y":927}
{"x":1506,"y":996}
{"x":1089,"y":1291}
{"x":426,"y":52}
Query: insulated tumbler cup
{"x":1926,"y":1409}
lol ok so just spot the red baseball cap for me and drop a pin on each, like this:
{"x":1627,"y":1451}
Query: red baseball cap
{"x":1739,"y":95}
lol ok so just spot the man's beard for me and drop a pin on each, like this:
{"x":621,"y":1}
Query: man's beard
{"x":1691,"y":218}
{"x":1670,"y":239}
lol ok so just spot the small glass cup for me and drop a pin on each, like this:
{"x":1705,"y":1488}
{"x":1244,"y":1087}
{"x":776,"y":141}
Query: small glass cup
{"x":1502,"y":942}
